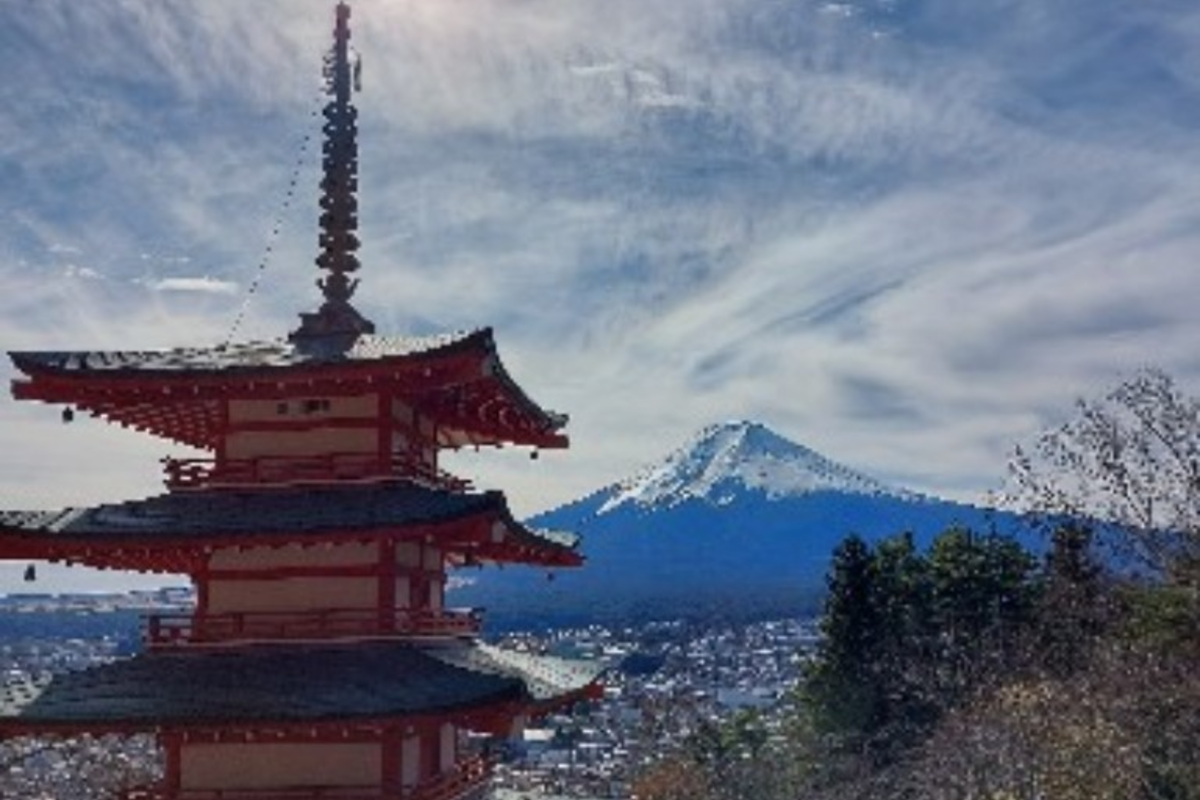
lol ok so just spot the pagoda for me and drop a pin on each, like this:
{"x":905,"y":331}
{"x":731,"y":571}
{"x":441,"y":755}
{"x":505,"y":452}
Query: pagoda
{"x":320,"y":659}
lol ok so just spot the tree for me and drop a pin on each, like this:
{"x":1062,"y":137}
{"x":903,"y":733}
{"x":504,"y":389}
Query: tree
{"x":983,"y":591}
{"x":908,"y":637}
{"x":841,"y":689}
{"x":1073,"y":607}
{"x":673,"y":778}
{"x":1130,"y":459}
{"x":902,"y":599}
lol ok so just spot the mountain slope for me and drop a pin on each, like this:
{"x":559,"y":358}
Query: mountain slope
{"x":739,"y":521}
{"x":725,"y":462}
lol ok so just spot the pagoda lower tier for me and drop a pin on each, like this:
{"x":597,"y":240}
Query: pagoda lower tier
{"x":364,"y":721}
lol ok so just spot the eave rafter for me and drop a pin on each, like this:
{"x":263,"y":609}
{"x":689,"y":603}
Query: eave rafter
{"x":492,"y":717}
{"x":174,"y":559}
{"x":488,"y":414}
{"x":187,"y":408}
{"x":164,"y":551}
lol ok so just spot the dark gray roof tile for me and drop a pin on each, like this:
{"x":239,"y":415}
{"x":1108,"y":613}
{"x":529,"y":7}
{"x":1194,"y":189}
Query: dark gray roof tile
{"x":282,"y":684}
{"x":313,"y":512}
{"x":238,"y":356}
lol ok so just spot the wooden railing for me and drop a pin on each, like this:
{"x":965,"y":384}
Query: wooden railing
{"x":459,"y":783}
{"x":179,"y":629}
{"x":183,"y":474}
{"x":462,"y":782}
{"x":294,"y":793}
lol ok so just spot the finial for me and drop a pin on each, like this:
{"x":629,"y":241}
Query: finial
{"x":338,"y":239}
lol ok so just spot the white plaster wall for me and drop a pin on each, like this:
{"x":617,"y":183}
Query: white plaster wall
{"x":279,"y":765}
{"x":340,"y":555}
{"x":408,"y":554}
{"x":410,"y":761}
{"x":433,"y":558}
{"x":254,"y":444}
{"x":357,"y":406}
{"x":437,"y":594}
{"x":403,"y":413}
{"x":448,"y":746}
{"x":292,"y":594}
{"x":519,"y":723}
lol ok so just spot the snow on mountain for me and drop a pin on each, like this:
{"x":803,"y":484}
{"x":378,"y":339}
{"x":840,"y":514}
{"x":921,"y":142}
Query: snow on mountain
{"x":728,"y":460}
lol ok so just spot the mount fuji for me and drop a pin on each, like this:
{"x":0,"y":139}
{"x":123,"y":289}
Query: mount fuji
{"x":739,"y":521}
{"x":735,"y":461}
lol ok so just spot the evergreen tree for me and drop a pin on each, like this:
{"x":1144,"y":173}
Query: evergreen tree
{"x":1071,"y":613}
{"x":907,"y":637}
{"x":841,"y":689}
{"x":901,"y":601}
{"x":983,"y":594}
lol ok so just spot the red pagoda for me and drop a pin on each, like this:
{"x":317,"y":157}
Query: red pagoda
{"x":320,"y":660}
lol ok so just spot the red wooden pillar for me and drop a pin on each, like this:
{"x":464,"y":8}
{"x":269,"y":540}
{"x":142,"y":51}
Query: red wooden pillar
{"x":391,"y":742}
{"x":200,"y":613}
{"x":430,"y":759}
{"x":386,"y":424}
{"x":387,"y":586}
{"x":222,"y":434}
{"x":172,"y":744}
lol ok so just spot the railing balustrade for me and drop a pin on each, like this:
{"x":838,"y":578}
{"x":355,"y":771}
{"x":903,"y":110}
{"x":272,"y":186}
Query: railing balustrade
{"x":183,"y":474}
{"x":178,"y":629}
{"x":457,"y":784}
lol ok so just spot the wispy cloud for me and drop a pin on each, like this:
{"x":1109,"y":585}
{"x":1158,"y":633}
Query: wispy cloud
{"x":905,"y":233}
{"x":204,"y":284}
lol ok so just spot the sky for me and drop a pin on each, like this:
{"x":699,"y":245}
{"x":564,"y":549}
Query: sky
{"x":906,"y":233}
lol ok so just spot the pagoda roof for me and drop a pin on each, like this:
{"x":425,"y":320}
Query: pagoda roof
{"x":273,"y":685}
{"x":166,"y":532}
{"x":239,"y":357}
{"x":457,"y":378}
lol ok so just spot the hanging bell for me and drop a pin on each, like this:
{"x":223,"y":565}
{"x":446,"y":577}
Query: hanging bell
{"x":30,"y":573}
{"x":68,"y":415}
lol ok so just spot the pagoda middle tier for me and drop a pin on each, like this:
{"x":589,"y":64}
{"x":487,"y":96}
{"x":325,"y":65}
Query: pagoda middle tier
{"x":338,"y":561}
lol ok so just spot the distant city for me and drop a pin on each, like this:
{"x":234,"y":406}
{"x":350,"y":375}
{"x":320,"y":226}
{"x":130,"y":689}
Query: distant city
{"x":97,"y":602}
{"x":666,"y":679}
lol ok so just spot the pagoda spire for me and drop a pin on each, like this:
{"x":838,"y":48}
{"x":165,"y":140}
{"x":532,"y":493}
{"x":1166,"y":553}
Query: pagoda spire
{"x":338,"y":238}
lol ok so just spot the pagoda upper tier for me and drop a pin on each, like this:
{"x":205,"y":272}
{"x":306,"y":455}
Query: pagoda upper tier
{"x":286,"y":412}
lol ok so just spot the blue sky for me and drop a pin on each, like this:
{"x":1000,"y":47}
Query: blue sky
{"x":907,"y":233}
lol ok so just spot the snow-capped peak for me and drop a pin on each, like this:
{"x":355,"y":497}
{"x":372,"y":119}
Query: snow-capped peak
{"x":731,"y":459}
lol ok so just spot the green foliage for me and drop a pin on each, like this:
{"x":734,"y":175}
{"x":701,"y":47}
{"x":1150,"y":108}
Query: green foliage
{"x":969,"y":671}
{"x":841,"y":689}
{"x":907,"y":636}
{"x":720,"y":746}
{"x":1073,"y":609}
{"x":1163,"y":617}
{"x":983,"y":596}
{"x":972,"y":671}
{"x":731,"y":760}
